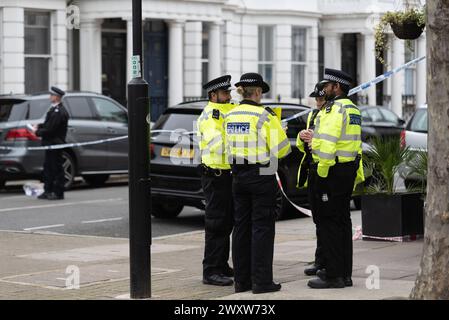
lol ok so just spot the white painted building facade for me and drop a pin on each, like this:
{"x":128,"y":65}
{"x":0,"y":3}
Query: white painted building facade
{"x":187,"y":42}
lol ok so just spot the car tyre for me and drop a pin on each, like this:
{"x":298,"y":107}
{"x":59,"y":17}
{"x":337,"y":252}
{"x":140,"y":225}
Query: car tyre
{"x":97,"y":180}
{"x":69,"y":166}
{"x":166,"y":210}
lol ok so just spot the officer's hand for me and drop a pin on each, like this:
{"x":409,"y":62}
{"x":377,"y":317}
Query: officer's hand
{"x":321,"y":185}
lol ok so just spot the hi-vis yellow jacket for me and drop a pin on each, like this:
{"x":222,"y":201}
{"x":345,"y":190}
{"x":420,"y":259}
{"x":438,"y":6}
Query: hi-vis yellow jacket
{"x":255,"y":134}
{"x":338,"y":133}
{"x":211,"y":134}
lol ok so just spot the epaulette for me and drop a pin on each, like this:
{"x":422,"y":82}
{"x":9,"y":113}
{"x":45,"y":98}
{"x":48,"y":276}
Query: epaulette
{"x":270,"y":111}
{"x":216,"y":114}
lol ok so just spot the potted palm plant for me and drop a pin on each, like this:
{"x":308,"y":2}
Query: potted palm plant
{"x":387,"y":212}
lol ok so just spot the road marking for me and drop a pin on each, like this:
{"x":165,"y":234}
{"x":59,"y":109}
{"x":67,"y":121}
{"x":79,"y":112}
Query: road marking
{"x":102,"y":220}
{"x":44,"y":227}
{"x":59,"y":205}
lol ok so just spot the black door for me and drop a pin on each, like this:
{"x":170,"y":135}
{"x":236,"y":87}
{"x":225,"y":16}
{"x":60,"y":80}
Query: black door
{"x":114,"y":66}
{"x":156,"y":65}
{"x":349,"y":58}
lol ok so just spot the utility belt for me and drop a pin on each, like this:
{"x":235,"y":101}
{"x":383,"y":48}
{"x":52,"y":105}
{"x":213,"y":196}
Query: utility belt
{"x":210,"y":172}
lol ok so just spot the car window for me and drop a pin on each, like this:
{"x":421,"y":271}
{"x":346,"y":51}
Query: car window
{"x":296,"y":125}
{"x":365,"y":116}
{"x":374,"y":114}
{"x":389,"y":116}
{"x":78,"y":108}
{"x":109,"y":111}
{"x":12,"y":111}
{"x":419,"y":121}
{"x":173,"y":121}
{"x":38,"y":108}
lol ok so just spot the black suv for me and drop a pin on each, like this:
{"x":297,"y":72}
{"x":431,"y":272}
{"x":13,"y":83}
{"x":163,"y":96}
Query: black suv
{"x":174,"y":172}
{"x":92,"y":117}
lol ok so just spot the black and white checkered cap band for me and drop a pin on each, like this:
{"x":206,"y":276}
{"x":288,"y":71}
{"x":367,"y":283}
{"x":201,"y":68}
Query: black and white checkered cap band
{"x":54,"y":93}
{"x":218,"y":86}
{"x":336,"y":79}
{"x":249,"y":80}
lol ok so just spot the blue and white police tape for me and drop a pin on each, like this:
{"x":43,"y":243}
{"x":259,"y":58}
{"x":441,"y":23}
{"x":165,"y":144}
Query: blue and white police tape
{"x":66,"y":145}
{"x":89,"y":143}
{"x":366,"y":85}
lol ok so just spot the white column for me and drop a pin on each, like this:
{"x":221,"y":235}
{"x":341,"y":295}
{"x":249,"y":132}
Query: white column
{"x":283,"y":62}
{"x":369,"y":66}
{"x":214,"y":51}
{"x":312,"y":75}
{"x":332,"y":51}
{"x":129,"y":48}
{"x":175,"y":67}
{"x":12,"y":51}
{"x":90,"y":55}
{"x":60,"y":53}
{"x":397,"y":82}
{"x":421,"y":73}
{"x":192,"y":59}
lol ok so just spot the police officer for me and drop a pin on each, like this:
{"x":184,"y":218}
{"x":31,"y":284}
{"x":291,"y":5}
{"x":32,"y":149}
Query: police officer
{"x":255,"y":141}
{"x":306,"y":175}
{"x":216,"y":181}
{"x":53,"y":131}
{"x":337,"y":150}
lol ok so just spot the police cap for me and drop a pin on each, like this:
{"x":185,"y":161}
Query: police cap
{"x":54,"y":91}
{"x":332,"y":75}
{"x":220,"y":83}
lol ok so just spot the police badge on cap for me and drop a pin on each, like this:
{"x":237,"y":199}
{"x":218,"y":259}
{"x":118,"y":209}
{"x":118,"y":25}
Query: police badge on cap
{"x":221,"y":83}
{"x":318,"y":92}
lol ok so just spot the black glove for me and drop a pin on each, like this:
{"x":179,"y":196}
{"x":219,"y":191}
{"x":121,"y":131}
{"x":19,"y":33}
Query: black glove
{"x":321,"y":184}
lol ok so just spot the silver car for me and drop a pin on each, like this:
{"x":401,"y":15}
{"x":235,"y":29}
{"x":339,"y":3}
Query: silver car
{"x":415,"y":137}
{"x":92,"y":117}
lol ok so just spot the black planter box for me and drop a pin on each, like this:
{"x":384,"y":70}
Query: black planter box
{"x":390,"y":216}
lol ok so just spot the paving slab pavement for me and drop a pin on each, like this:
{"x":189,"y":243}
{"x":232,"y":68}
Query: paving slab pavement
{"x":45,"y":266}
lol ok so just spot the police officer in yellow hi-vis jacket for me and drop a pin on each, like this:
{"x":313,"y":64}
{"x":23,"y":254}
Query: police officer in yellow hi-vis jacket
{"x":255,"y":141}
{"x":337,"y":150}
{"x":306,"y":173}
{"x":216,"y":181}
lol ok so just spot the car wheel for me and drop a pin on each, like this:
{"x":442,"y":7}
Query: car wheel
{"x":69,"y":170}
{"x":165,"y":210}
{"x":96,"y":180}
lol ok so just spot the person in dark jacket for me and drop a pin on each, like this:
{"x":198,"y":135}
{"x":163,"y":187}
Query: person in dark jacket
{"x":53,"y":132}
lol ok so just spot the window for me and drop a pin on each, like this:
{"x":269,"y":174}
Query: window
{"x":298,"y":61}
{"x":389,"y":116}
{"x":37,"y":51}
{"x":205,"y":57}
{"x":38,"y":108}
{"x":374,"y":114}
{"x":78,"y":108}
{"x":266,"y":55}
{"x":108,"y":111}
{"x":410,"y":54}
{"x":12,"y":111}
{"x":419,"y":122}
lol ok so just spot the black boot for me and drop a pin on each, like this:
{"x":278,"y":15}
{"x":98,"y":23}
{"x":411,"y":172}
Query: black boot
{"x":273,"y":287}
{"x":335,"y":283}
{"x":311,"y":271}
{"x":217,"y":280}
{"x":228,"y":271}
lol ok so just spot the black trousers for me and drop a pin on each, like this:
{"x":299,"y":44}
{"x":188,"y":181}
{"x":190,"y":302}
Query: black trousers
{"x":218,"y":222}
{"x":334,"y":216}
{"x":53,"y":172}
{"x":311,"y":186}
{"x":254,"y":230}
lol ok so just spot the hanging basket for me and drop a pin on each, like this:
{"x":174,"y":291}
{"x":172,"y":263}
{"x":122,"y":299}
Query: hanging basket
{"x":407,"y":30}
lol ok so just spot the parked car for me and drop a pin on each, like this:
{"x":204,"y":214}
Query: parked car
{"x":379,"y":122}
{"x":176,"y":182}
{"x":415,"y":137}
{"x":92,"y":117}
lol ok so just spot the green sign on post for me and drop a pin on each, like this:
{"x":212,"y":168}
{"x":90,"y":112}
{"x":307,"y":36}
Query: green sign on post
{"x":135,"y":67}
